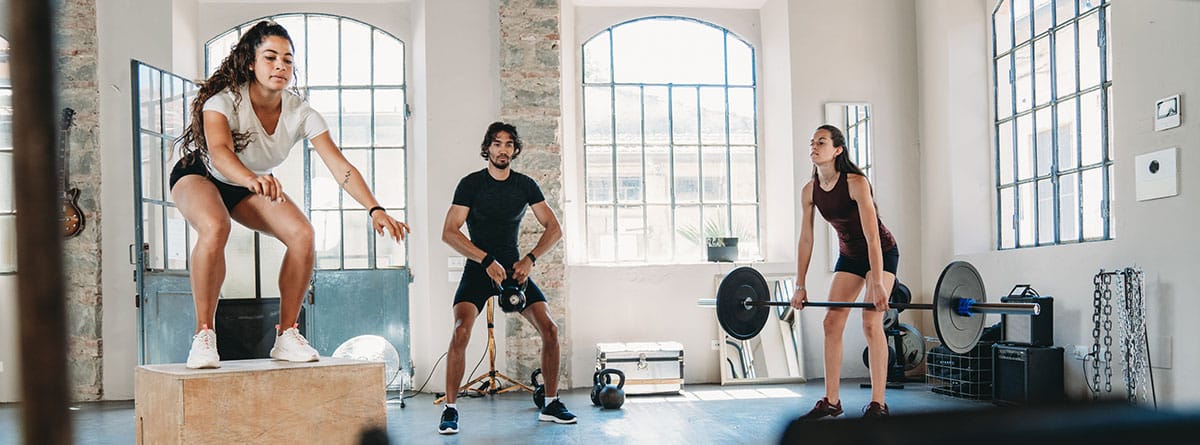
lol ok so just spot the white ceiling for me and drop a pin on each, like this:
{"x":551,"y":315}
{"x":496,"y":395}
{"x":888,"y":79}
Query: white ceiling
{"x":730,"y":4}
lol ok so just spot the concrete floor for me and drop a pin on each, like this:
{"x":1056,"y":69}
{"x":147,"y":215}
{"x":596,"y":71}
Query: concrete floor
{"x":702,"y":414}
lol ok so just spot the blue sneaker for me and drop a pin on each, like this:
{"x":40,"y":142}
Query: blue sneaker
{"x":449,"y":423}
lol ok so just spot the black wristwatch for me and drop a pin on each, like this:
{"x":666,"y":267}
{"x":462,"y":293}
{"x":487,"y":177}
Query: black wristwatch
{"x":532,"y":258}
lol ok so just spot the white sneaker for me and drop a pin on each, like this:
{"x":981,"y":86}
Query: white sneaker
{"x":292,"y":346}
{"x":204,"y":350}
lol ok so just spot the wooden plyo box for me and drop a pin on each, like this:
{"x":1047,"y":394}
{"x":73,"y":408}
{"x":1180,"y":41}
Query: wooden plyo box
{"x":330,"y":401}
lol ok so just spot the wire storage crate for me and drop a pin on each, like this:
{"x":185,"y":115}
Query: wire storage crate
{"x":967,"y":376}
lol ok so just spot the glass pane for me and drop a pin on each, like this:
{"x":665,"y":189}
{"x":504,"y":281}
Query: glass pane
{"x":1043,"y":16}
{"x":1045,"y":208}
{"x":239,"y":264}
{"x":599,"y":168}
{"x":5,"y":117}
{"x":1045,"y":141}
{"x":5,"y":74}
{"x":1067,"y":135}
{"x":389,"y":253}
{"x":173,"y":107}
{"x":1002,"y":24}
{"x":1041,"y":69}
{"x":658,"y":233}
{"x":326,"y":103}
{"x":1108,"y":46}
{"x":716,"y":222}
{"x":596,"y":62}
{"x":1024,"y":147}
{"x":294,"y":24}
{"x":712,"y":116}
{"x":1089,"y":53}
{"x":1026,"y":221}
{"x":177,"y":245}
{"x":689,"y":235}
{"x":1005,"y":152}
{"x":152,"y":232}
{"x":6,"y":182}
{"x":1068,"y":207}
{"x":323,"y":46}
{"x":657,"y":120}
{"x":1064,"y":59}
{"x":389,"y":117}
{"x":1092,"y":196}
{"x":687,"y":174}
{"x":270,"y":251}
{"x":668,"y":50}
{"x":328,"y":227}
{"x":388,"y":62}
{"x":597,"y":115}
{"x":1004,"y":87}
{"x":291,"y":174}
{"x":220,"y":47}
{"x":1023,"y":21}
{"x":152,"y":177}
{"x":1024,"y":79}
{"x":658,"y":174}
{"x":743,"y":177}
{"x":629,"y":173}
{"x":741,"y":61}
{"x":149,"y":96}
{"x":1064,"y":10}
{"x":629,"y":115}
{"x":389,"y":188}
{"x":1008,"y":236}
{"x":685,"y":124}
{"x":356,"y":118}
{"x":741,"y":116}
{"x":1089,"y":125}
{"x":745,"y":227}
{"x":716,"y":172}
{"x":325,"y":189}
{"x":631,"y":233}
{"x":356,"y":53}
{"x":361,"y":160}
{"x":8,"y":243}
{"x":356,"y":229}
{"x":601,"y":233}
{"x":1086,"y":5}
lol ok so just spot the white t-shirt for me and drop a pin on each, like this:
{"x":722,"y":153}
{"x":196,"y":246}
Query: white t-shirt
{"x":265,"y":151}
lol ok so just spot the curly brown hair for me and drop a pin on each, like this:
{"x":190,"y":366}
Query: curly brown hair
{"x":233,"y":72}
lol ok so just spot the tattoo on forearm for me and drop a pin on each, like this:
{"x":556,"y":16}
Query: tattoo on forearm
{"x":346,"y":180}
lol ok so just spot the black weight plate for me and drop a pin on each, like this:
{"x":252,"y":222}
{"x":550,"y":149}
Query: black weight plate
{"x":900,"y":294}
{"x":913,"y":344}
{"x":960,"y":333}
{"x":739,"y":321}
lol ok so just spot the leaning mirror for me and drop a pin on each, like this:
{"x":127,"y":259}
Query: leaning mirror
{"x":775,"y":354}
{"x":854,"y":119}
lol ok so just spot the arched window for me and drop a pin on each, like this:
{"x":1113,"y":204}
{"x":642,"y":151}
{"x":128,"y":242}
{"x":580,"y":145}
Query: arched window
{"x":353,"y":74}
{"x":8,"y":217}
{"x":670,"y":141}
{"x":1053,"y":69}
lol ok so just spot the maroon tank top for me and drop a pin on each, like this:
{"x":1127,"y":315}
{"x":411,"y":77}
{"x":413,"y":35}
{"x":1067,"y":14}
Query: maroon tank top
{"x":842,"y":213}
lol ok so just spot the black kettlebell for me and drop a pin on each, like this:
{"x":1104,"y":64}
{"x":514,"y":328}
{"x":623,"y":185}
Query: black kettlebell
{"x":539,"y":389}
{"x":512,"y":295}
{"x":596,"y":385}
{"x":612,"y":396}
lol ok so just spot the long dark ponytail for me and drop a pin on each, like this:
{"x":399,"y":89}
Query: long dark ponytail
{"x":233,"y":72}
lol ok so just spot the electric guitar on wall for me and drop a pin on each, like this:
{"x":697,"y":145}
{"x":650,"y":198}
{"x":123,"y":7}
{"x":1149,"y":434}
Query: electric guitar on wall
{"x":72,"y":216}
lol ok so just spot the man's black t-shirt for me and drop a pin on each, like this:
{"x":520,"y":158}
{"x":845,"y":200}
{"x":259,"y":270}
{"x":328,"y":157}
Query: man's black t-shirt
{"x":497,"y":207}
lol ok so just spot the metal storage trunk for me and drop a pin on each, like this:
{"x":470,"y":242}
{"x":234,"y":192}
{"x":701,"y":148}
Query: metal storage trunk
{"x":650,"y":368}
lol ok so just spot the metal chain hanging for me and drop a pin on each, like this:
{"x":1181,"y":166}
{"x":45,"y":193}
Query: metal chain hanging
{"x":1135,"y":350}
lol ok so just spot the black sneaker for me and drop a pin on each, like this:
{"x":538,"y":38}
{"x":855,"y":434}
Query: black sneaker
{"x":875,"y":409}
{"x":449,"y":423}
{"x":556,"y":412}
{"x":823,"y":409}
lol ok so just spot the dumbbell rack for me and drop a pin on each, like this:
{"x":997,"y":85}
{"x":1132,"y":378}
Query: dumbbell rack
{"x":966,"y":376}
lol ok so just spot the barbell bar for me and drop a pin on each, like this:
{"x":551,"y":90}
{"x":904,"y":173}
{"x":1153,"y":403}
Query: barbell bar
{"x":743,"y":299}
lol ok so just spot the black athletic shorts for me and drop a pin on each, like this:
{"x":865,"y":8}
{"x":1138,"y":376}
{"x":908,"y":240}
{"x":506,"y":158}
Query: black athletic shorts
{"x":476,"y":286}
{"x":231,"y":195}
{"x":891,"y":259}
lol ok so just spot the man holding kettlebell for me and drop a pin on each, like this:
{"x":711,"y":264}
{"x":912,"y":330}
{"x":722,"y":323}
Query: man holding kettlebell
{"x":492,"y":202}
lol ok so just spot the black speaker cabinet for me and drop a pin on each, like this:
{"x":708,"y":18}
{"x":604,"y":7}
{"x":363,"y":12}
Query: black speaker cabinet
{"x":1027,"y":374}
{"x":1035,"y":330}
{"x":246,"y":327}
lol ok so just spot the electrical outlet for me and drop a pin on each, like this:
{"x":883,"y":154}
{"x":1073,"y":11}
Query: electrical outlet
{"x":456,"y":262}
{"x":1080,"y":352}
{"x":716,"y":345}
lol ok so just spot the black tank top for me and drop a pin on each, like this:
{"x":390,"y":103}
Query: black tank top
{"x":842,"y":213}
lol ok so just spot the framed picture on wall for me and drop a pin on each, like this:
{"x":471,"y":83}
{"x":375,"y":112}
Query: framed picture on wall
{"x":1166,"y":113}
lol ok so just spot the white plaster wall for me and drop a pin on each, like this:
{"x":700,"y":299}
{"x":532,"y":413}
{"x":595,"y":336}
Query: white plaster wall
{"x":1155,"y":235}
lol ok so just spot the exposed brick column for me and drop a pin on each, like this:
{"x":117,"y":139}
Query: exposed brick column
{"x":530,"y":76}
{"x":77,"y":59}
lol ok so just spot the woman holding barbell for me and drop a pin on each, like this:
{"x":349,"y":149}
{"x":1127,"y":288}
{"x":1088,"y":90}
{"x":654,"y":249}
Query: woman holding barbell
{"x":868,"y":257}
